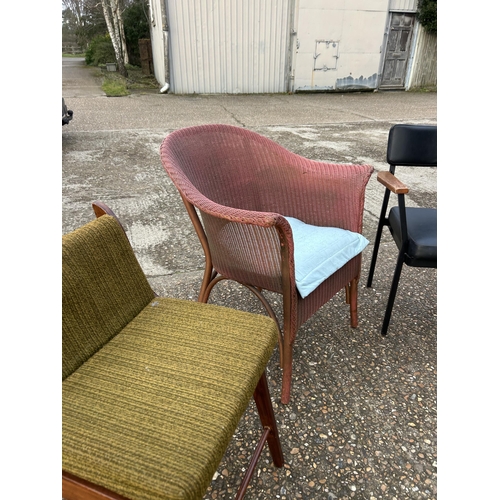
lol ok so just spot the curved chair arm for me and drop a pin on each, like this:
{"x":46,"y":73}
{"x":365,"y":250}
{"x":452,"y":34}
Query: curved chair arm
{"x":330,"y":194}
{"x":249,"y":247}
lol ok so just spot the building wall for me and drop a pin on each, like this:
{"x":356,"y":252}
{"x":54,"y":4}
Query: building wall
{"x":272,"y":46}
{"x":229,"y":47}
{"x":403,"y":5}
{"x":339,"y":44}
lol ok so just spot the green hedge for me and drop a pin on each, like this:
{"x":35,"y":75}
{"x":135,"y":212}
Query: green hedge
{"x":100,"y":51}
{"x":427,"y":14}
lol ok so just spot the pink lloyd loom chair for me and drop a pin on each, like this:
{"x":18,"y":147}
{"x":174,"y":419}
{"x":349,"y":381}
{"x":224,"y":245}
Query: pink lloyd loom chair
{"x":254,"y":197}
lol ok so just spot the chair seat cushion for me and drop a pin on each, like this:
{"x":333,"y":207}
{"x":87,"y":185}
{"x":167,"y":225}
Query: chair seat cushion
{"x":422,"y":234}
{"x":320,"y":251}
{"x":151,"y":413}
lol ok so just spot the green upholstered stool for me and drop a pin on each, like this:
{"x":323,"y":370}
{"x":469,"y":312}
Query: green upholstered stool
{"x":153,"y":387}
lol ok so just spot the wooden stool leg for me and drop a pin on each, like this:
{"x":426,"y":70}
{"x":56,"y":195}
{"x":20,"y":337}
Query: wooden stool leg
{"x":270,"y":434}
{"x":265,"y":408}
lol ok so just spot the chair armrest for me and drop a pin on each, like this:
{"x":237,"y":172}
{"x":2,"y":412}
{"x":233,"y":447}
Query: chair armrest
{"x":323,"y":194}
{"x":391,"y":182}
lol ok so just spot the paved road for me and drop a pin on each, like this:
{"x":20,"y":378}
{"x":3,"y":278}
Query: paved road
{"x":80,"y":80}
{"x":362,"y":421}
{"x":112,"y":132}
{"x":167,"y":111}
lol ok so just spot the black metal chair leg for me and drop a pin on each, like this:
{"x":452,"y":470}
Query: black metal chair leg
{"x":392,"y":293}
{"x":381,"y":223}
{"x":374,"y":256}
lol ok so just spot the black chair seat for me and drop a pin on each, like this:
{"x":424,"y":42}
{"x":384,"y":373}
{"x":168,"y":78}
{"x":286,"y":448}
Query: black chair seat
{"x":422,"y":235}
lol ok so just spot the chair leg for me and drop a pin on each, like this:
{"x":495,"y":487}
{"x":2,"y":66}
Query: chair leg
{"x":265,"y":408}
{"x":253,"y":463}
{"x":353,"y":302}
{"x":286,"y":362}
{"x":207,"y":287}
{"x":392,"y":293}
{"x":381,"y":223}
{"x":374,"y":257}
{"x":270,"y":434}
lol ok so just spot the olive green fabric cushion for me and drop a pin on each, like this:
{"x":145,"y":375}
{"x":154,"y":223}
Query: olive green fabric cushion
{"x":150,"y":415}
{"x":103,"y":289}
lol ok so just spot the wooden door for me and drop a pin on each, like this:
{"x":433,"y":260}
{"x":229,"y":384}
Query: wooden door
{"x":397,"y":50}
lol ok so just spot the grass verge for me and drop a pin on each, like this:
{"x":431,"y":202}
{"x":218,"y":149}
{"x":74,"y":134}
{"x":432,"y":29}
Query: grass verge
{"x":431,"y":88}
{"x":115,"y":85}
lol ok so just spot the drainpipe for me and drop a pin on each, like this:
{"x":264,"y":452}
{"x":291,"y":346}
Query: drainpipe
{"x":294,"y":44}
{"x":164,"y":23}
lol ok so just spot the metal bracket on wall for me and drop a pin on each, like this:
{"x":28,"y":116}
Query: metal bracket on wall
{"x":326,"y":55}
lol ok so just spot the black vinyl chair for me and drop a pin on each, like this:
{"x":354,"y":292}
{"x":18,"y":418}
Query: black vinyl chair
{"x":414,"y":230}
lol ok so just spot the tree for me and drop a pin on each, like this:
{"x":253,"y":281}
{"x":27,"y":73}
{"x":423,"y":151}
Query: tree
{"x":83,"y":19}
{"x":136,"y":25}
{"x":125,"y":21}
{"x":77,"y":8}
{"x":427,"y":15}
{"x":113,"y":15}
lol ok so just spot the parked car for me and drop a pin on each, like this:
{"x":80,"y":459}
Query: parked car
{"x":67,"y":114}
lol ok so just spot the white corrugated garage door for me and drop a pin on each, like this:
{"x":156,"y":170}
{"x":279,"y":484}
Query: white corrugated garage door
{"x":229,"y":46}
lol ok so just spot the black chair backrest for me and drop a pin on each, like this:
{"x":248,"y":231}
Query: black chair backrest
{"x":412,"y":146}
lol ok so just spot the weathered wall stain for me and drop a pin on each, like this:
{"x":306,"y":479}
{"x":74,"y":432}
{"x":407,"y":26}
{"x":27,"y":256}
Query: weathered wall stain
{"x":361,"y":83}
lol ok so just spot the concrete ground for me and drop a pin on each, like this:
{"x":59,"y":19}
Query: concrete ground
{"x":362,"y":422}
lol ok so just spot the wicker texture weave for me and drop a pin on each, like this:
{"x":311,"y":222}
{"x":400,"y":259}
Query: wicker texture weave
{"x":144,"y":416}
{"x":243,"y":185}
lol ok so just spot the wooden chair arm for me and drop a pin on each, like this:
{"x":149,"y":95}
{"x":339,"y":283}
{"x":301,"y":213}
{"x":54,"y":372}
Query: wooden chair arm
{"x":391,"y":182}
